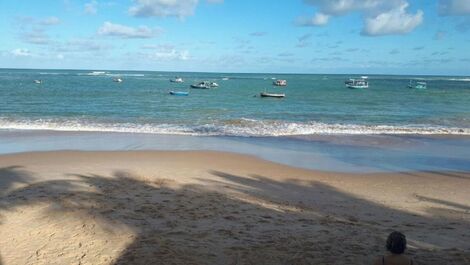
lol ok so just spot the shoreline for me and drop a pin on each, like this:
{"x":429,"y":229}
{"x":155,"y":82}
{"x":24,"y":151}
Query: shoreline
{"x":206,"y":207}
{"x":340,"y":153}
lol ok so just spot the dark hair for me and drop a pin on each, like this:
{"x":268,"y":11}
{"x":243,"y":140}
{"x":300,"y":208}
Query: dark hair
{"x":396,"y":242}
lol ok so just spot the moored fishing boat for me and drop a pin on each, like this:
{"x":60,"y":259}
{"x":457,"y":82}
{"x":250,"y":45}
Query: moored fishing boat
{"x":179,"y":93}
{"x":177,"y":80}
{"x":205,"y":84}
{"x":417,"y":85}
{"x":272,"y":95}
{"x":357,"y":83}
{"x":202,"y":85}
{"x":280,"y":82}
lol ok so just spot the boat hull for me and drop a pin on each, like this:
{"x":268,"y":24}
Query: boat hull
{"x":269,"y":95}
{"x":179,"y":93}
{"x":356,"y":87}
{"x":199,"y":87}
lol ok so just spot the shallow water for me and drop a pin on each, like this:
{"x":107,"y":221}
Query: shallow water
{"x":71,"y":100}
{"x":345,"y":153}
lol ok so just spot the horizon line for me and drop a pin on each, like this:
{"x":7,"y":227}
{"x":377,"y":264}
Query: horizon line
{"x":210,"y":72}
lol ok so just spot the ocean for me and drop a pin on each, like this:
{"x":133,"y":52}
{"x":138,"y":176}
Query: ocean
{"x":72,"y":100}
{"x":320,"y":124}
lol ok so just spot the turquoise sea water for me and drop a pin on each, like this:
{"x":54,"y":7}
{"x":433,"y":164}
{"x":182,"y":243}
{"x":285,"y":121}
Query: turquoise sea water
{"x":70,"y":100}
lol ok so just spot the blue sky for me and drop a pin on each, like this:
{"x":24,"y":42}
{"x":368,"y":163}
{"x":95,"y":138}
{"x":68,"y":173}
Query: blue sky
{"x":287,"y":36}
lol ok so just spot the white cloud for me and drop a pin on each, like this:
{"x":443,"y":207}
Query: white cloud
{"x":258,"y":34}
{"x":117,"y":30}
{"x":49,"y":21}
{"x":381,"y":17}
{"x":91,"y":8}
{"x":36,"y":37}
{"x":319,"y":19}
{"x":163,"y":8}
{"x":454,"y":7}
{"x":395,"y":21}
{"x":215,"y":1}
{"x":342,"y":7}
{"x":23,"y":21}
{"x":82,"y":45}
{"x":171,"y":55}
{"x":21,"y":52}
{"x":34,"y":30}
{"x":157,"y":47}
{"x":165,"y":52}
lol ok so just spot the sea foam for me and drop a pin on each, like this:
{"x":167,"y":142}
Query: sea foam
{"x":240,"y":127}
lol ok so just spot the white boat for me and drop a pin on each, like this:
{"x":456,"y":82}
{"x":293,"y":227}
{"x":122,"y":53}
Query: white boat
{"x":95,"y":73}
{"x":201,"y":85}
{"x":205,"y":85}
{"x":118,"y":80}
{"x":357,"y":83}
{"x":37,"y":81}
{"x":177,"y":80}
{"x":271,"y":95}
{"x":280,"y":82}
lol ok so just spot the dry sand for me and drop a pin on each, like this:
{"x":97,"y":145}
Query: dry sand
{"x":220,"y":208}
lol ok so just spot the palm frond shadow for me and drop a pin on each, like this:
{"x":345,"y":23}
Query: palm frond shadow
{"x":232,"y":219}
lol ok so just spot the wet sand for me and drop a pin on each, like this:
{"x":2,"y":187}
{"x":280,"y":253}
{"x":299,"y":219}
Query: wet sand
{"x":339,"y":153}
{"x":202,"y":207}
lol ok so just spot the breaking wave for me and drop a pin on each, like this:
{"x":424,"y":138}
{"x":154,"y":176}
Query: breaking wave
{"x":239,"y":127}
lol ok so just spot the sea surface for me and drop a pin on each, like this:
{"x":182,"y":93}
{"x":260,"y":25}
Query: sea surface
{"x":70,"y":100}
{"x":320,"y":124}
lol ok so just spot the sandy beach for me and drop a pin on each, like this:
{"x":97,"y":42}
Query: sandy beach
{"x":201,"y":207}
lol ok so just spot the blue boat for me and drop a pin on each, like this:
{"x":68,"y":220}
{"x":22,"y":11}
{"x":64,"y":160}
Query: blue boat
{"x":179,"y":93}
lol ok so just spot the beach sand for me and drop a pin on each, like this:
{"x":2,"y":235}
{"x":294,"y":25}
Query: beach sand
{"x":151,"y":207}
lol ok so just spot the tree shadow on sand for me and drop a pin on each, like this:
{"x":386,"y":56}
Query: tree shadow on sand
{"x":11,"y":176}
{"x":231,"y":219}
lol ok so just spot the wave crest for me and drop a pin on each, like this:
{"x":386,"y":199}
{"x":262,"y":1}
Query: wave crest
{"x":238,"y":127}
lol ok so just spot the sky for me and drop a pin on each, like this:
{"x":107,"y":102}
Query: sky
{"x":428,"y":37}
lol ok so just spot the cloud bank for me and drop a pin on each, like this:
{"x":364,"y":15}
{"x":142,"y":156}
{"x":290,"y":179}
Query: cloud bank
{"x":163,"y":8}
{"x":126,"y":32}
{"x":381,"y":17}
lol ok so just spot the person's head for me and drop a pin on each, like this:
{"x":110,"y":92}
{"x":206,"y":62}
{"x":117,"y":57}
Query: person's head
{"x":396,"y":243}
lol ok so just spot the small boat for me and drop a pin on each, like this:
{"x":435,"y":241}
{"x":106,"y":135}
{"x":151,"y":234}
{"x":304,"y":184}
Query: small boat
{"x":357,"y":83}
{"x":117,"y":80}
{"x":417,"y":85}
{"x":179,"y":93}
{"x":280,"y":82}
{"x":202,"y":85}
{"x":177,"y":80}
{"x":37,"y":81}
{"x":271,"y":95}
